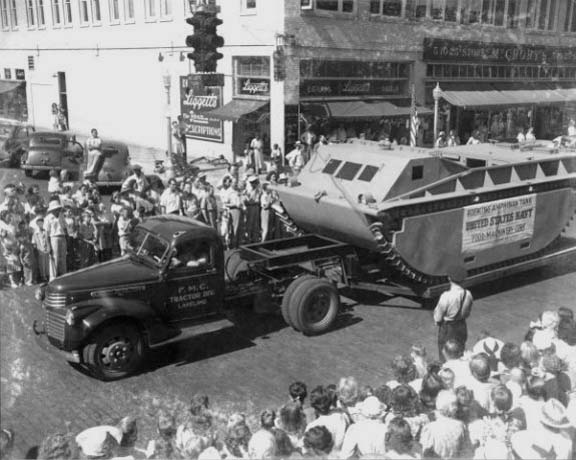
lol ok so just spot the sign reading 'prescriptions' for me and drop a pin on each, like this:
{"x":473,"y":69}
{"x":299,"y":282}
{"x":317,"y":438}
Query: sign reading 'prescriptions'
{"x":498,"y":222}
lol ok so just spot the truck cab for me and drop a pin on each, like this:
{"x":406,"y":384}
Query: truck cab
{"x":104,"y":317}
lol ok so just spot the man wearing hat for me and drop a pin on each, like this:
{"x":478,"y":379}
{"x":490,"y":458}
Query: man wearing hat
{"x":56,"y":233}
{"x":296,"y":158}
{"x":367,"y":437}
{"x":452,"y":310}
{"x":136,"y":181}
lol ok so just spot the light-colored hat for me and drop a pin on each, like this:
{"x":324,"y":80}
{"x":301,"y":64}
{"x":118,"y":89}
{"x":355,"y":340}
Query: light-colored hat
{"x":92,"y":441}
{"x":283,"y":177}
{"x":262,"y":445}
{"x":542,"y":339}
{"x":53,"y":206}
{"x":252,"y":179}
{"x":554,"y":415}
{"x":371,"y":407}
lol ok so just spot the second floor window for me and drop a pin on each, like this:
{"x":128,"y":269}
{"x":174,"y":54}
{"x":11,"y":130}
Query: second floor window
{"x":114,"y":8}
{"x":56,"y":13}
{"x":570,"y":19}
{"x":67,"y":12}
{"x":96,"y":12}
{"x":166,"y":9}
{"x":128,"y":10}
{"x":41,"y":18}
{"x":343,"y":6}
{"x":4,"y":14}
{"x":30,"y":14}
{"x":151,"y":11}
{"x":13,"y":14}
{"x":84,"y":12}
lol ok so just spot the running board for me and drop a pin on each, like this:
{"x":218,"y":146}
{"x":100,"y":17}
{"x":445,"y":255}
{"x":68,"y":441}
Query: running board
{"x":187,"y":332}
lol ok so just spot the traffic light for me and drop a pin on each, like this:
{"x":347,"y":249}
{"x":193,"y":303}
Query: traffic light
{"x":205,"y":41}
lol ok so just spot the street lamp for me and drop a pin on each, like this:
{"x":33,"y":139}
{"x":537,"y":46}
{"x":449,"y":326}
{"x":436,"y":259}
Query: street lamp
{"x":436,"y":94}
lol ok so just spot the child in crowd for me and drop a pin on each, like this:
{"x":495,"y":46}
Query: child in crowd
{"x":87,"y":239}
{"x":54,"y":184}
{"x":41,"y":244}
{"x":125,"y":225}
{"x":27,"y":256}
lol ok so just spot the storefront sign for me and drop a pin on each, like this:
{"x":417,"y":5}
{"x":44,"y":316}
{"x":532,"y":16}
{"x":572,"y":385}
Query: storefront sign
{"x":20,"y":75}
{"x":8,"y":74}
{"x":339,"y":88}
{"x":254,"y":86}
{"x":499,"y":222}
{"x":480,"y":52}
{"x":195,"y":102}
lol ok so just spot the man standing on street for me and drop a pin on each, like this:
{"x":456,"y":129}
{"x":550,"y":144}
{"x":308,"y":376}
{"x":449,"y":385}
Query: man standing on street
{"x":454,"y":307}
{"x":56,"y":233}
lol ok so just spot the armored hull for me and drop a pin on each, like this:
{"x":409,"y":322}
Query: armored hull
{"x":423,"y":212}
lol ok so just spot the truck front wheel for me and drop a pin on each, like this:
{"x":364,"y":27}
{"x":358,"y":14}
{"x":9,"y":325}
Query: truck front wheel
{"x":314,"y":306}
{"x":114,"y":351}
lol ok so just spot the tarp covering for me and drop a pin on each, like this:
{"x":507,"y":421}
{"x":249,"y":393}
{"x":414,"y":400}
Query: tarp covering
{"x":236,"y":109}
{"x":509,"y":97}
{"x":359,"y":109}
{"x":6,"y":85}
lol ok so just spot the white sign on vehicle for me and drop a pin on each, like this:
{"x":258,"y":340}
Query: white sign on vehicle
{"x":498,"y":222}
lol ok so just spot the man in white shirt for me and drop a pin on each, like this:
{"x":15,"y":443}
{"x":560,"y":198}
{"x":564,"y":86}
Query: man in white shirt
{"x":136,"y":181}
{"x":94,"y":147}
{"x":171,"y":201}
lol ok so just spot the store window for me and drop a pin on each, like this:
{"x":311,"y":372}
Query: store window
{"x":30,"y":14}
{"x":4,"y":14}
{"x":342,"y":6}
{"x":114,"y":9}
{"x":252,"y":76}
{"x":128,"y":11}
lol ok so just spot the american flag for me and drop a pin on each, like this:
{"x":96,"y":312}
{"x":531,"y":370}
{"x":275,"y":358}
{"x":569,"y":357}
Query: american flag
{"x":414,"y":122}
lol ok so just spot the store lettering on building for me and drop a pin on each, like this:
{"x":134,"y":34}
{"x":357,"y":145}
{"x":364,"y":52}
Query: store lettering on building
{"x":255,"y":87}
{"x":196,"y":101}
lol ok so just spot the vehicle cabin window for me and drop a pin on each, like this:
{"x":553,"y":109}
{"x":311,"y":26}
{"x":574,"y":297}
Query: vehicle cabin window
{"x":191,"y":254}
{"x":331,"y":166}
{"x":349,"y":170}
{"x":417,"y":172}
{"x":49,"y":141}
{"x":368,"y":173}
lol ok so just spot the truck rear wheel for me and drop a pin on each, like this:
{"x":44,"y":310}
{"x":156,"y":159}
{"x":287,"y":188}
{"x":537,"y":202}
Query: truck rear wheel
{"x":314,"y":306}
{"x":287,"y":297}
{"x":114,"y":351}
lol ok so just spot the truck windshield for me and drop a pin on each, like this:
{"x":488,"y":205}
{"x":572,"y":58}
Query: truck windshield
{"x":148,"y":246}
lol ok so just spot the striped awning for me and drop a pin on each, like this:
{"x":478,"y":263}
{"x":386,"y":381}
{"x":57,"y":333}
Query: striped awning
{"x":509,"y":97}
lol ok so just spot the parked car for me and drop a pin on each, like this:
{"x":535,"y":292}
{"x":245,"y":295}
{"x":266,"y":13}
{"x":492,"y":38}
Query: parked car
{"x":53,"y":150}
{"x":14,"y":138}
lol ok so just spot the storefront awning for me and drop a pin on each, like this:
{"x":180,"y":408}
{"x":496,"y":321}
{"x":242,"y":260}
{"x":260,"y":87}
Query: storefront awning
{"x":359,"y":109}
{"x":6,"y":85}
{"x":509,"y":97}
{"x":236,"y":109}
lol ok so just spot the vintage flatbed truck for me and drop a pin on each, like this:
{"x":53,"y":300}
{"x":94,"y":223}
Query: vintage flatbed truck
{"x":382,"y":221}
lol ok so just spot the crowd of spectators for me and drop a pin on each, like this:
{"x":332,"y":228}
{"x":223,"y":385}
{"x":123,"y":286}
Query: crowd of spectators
{"x":72,"y":226}
{"x":495,"y":401}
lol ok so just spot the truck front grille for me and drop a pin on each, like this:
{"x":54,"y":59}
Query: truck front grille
{"x":55,"y":318}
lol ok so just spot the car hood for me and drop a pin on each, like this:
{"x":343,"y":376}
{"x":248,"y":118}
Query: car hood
{"x":117,"y":272}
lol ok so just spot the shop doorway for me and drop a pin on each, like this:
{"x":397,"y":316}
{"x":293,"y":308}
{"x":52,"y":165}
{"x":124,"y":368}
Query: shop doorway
{"x":63,"y":98}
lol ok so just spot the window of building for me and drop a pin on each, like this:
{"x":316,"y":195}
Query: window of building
{"x":30,"y":15}
{"x":84,"y":12}
{"x":343,"y":6}
{"x":474,"y":14}
{"x":166,"y":9}
{"x":4,"y":14}
{"x":531,"y":13}
{"x":114,"y":10}
{"x":150,"y":10}
{"x":96,"y":12}
{"x":67,"y":12}
{"x":513,"y":14}
{"x":451,"y":11}
{"x":56,"y":13}
{"x":129,"y":11}
{"x":420,"y":8}
{"x":392,"y":7}
{"x":570,"y":21}
{"x":437,"y":9}
{"x":13,"y":14}
{"x":252,"y":76}
{"x":547,"y":15}
{"x":40,"y":16}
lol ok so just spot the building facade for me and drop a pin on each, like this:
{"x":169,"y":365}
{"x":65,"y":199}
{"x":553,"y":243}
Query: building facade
{"x":338,"y":67}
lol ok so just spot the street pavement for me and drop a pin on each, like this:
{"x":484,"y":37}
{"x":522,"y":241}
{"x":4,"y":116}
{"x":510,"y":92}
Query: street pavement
{"x":248,"y":367}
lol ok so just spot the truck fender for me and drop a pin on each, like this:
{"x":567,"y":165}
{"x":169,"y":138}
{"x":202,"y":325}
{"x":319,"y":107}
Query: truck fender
{"x":98,"y":311}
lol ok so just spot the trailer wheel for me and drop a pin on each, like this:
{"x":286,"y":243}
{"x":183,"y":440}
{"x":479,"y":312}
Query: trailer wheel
{"x":235,"y":266}
{"x":287,"y":297}
{"x":114,"y":351}
{"x":314,"y":306}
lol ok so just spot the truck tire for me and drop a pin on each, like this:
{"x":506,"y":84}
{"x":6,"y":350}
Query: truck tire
{"x":114,"y":351}
{"x":314,"y":306}
{"x":235,"y":266}
{"x":287,"y":297}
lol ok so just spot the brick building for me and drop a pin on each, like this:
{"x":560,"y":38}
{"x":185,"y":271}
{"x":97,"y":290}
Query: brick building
{"x":332,"y":65}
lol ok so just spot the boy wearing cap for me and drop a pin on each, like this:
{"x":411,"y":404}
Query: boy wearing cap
{"x":452,"y":310}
